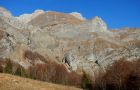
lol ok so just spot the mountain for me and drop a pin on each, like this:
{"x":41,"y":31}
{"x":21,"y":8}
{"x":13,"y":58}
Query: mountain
{"x":68,"y":39}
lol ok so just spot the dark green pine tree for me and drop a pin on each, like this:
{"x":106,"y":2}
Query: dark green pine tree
{"x":21,"y":72}
{"x":86,"y":82}
{"x":8,"y":68}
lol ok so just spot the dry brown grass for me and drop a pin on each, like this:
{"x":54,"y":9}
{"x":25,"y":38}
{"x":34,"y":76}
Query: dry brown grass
{"x":10,"y":82}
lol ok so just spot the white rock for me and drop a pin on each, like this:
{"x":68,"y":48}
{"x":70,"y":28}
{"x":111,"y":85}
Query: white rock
{"x":98,"y":24}
{"x":78,"y":15}
{"x":25,"y":18}
{"x":5,"y":12}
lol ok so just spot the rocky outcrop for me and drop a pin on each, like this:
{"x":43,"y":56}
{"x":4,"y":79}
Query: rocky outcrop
{"x":78,"y":15}
{"x":70,"y":60}
{"x":5,"y":12}
{"x":98,"y":24}
{"x":6,"y":44}
{"x":25,"y":18}
{"x":53,"y":18}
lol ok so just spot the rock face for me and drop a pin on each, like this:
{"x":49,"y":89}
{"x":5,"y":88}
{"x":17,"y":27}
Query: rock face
{"x":99,"y":24}
{"x":53,"y":18}
{"x":78,"y":15}
{"x":65,"y":38}
{"x":5,"y":12}
{"x":25,"y":18}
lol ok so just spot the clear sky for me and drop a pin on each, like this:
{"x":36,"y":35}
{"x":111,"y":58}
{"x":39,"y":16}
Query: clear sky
{"x":116,"y":13}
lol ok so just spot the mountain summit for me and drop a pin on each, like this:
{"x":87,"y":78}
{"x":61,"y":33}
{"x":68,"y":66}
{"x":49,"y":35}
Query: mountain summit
{"x":25,"y":18}
{"x":5,"y":12}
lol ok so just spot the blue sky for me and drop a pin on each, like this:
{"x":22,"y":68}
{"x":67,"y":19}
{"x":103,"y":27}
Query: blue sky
{"x":116,"y":13}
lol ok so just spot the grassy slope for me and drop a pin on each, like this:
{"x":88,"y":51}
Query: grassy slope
{"x":10,"y":82}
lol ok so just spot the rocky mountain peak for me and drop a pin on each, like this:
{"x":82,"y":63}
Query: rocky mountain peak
{"x":99,"y":24}
{"x":52,"y":18}
{"x":78,"y":15}
{"x":5,"y":12}
{"x":38,"y":11}
{"x":25,"y":18}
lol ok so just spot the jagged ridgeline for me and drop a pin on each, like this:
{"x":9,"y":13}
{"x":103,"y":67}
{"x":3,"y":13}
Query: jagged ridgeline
{"x":66,"y":38}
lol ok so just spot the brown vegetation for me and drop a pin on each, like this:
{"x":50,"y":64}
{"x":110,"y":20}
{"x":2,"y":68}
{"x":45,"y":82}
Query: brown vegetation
{"x":8,"y":66}
{"x":56,"y":73}
{"x":122,"y":75}
{"x":1,"y":68}
{"x":50,"y":72}
{"x":34,"y":56}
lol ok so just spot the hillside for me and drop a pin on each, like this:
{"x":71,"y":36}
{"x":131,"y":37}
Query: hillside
{"x":63,"y":47}
{"x":80,"y":44}
{"x":10,"y":82}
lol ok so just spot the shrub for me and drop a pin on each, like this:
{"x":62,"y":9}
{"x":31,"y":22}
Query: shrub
{"x":74,"y":79}
{"x":20,"y":71}
{"x":33,"y":56}
{"x":61,"y":74}
{"x":122,"y":75}
{"x":98,"y":83}
{"x":86,"y":81}
{"x":133,"y":82}
{"x":1,"y":65}
{"x":118,"y":74}
{"x":44,"y":72}
{"x":1,"y":68}
{"x":14,"y":68}
{"x":8,"y":67}
{"x":56,"y":73}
